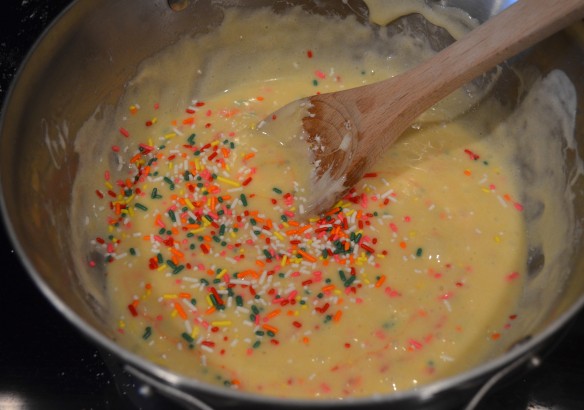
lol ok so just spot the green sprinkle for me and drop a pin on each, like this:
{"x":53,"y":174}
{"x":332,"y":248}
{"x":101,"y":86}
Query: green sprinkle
{"x":239,"y":301}
{"x":178,"y":269}
{"x":132,"y":251}
{"x":267,"y":254}
{"x":172,"y":215}
{"x":419,"y":252}
{"x":243,"y":199}
{"x":350,"y":281}
{"x":147,"y":333}
{"x":169,"y":182}
{"x":187,"y":337}
{"x":160,"y":258}
{"x":257,"y":344}
{"x":277,"y":190}
{"x":154,"y":194}
{"x":191,"y":139}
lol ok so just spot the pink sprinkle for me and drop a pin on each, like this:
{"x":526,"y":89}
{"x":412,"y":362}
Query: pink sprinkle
{"x":393,"y":227}
{"x":124,"y":132}
{"x":512,"y":276}
{"x":320,"y":74}
{"x":415,"y":344}
{"x":518,"y":206}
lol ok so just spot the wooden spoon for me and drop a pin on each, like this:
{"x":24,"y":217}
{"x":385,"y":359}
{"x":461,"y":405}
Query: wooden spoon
{"x":348,"y":130}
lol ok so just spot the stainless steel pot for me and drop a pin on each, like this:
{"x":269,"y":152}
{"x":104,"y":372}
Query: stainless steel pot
{"x":85,"y":58}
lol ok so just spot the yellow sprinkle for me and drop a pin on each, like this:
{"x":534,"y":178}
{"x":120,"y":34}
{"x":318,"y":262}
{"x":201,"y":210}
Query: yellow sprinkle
{"x":173,"y":313}
{"x":197,"y":164}
{"x":232,"y":234}
{"x":154,"y":120}
{"x":228,"y":181}
{"x":197,"y":230}
{"x":284,"y":259}
{"x":169,"y":136}
{"x":121,"y":324}
{"x":209,"y":301}
{"x":413,"y":234}
{"x":221,"y":274}
{"x":279,"y":236}
{"x":214,"y":143}
{"x":161,"y":268}
{"x":486,"y":190}
{"x":108,"y":185}
{"x":169,"y":296}
{"x":189,"y":204}
{"x":195,"y":332}
{"x":497,"y":239}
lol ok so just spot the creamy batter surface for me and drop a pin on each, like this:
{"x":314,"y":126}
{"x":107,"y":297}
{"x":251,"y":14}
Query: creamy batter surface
{"x":211,"y":271}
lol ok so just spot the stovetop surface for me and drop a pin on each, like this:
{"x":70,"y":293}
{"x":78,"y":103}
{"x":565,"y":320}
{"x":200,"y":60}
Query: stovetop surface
{"x":45,"y":363}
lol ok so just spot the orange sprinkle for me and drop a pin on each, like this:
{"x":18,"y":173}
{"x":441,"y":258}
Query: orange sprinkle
{"x":260,"y":98}
{"x":328,"y":288}
{"x":248,"y":272}
{"x":402,"y":245}
{"x":189,"y":120}
{"x":467,"y":172}
{"x":306,"y":256}
{"x":333,"y":211}
{"x":210,"y":310}
{"x":270,"y":328}
{"x":181,"y":312}
{"x":248,"y":156}
{"x":304,"y":229}
{"x":338,"y":316}
{"x":305,"y":340}
{"x":177,"y":253}
{"x":184,"y":295}
{"x":380,"y":281}
{"x":260,"y":263}
{"x":273,"y":314}
{"x":495,"y":336}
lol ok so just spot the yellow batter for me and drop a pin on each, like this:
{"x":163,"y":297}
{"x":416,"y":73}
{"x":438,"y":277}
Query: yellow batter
{"x":211,"y":272}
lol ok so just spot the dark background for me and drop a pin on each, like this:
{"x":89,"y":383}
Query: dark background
{"x":46,"y":364}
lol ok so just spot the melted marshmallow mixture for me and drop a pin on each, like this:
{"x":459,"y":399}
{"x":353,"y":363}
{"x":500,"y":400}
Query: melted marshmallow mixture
{"x":214,"y":272}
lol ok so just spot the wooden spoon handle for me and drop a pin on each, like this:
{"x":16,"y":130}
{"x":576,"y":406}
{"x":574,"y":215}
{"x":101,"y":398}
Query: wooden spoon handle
{"x":408,"y":95}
